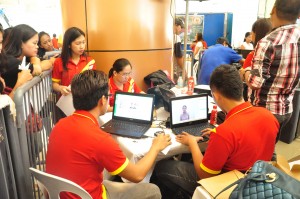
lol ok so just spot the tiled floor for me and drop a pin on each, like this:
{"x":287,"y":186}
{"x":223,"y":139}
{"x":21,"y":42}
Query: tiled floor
{"x":288,"y":150}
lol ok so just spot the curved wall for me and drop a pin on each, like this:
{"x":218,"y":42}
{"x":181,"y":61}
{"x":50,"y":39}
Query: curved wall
{"x":139,"y":30}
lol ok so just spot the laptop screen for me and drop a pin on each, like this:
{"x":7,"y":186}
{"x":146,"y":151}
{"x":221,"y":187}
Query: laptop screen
{"x":133,"y":106}
{"x":189,"y":109}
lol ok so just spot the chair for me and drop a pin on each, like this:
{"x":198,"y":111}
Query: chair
{"x":54,"y":185}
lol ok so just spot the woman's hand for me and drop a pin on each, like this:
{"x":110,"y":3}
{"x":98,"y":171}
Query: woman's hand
{"x":161,"y":141}
{"x":64,"y":90}
{"x":23,"y":77}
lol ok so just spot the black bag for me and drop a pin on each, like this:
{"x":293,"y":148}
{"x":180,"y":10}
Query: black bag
{"x":265,"y":181}
{"x":157,"y":78}
{"x":162,"y":95}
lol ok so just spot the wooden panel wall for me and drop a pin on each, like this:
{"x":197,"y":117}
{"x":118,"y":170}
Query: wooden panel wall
{"x":139,"y":30}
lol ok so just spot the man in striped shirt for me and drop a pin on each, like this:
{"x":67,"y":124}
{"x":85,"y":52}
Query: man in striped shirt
{"x":275,"y":73}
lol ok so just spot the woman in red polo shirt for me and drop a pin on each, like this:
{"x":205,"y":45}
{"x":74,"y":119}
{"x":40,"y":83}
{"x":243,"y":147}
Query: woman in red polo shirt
{"x":120,"y":80}
{"x":72,"y":61}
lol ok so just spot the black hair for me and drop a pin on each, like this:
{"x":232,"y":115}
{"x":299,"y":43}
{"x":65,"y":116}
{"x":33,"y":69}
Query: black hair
{"x":179,"y":22}
{"x":226,"y":80}
{"x":54,"y":35}
{"x":18,"y":35}
{"x":6,"y":32}
{"x":70,"y":35}
{"x":199,"y":36}
{"x":118,"y":66}
{"x":261,"y":28}
{"x":221,"y":40}
{"x":247,"y":35}
{"x":41,"y":51}
{"x":87,"y":89}
{"x":1,"y":87}
{"x":288,"y":9}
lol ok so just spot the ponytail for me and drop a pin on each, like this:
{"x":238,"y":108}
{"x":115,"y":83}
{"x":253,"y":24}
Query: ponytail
{"x":110,"y":73}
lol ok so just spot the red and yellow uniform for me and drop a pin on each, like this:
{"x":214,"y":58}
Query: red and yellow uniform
{"x":130,"y":86}
{"x":79,"y":151}
{"x":64,"y":77}
{"x":238,"y":136}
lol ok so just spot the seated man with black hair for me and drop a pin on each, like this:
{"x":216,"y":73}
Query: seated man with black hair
{"x":248,"y":134}
{"x":220,"y":53}
{"x":79,"y":150}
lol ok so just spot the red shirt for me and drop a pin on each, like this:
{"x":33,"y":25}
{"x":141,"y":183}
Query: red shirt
{"x":248,"y":134}
{"x":248,"y":60}
{"x":79,"y":150}
{"x":130,"y":86}
{"x":59,"y":75}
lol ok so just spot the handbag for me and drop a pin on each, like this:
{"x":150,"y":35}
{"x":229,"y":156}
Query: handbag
{"x":265,"y":181}
{"x":34,"y":122}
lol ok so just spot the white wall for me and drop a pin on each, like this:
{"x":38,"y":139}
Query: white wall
{"x":42,"y":15}
{"x":245,"y":13}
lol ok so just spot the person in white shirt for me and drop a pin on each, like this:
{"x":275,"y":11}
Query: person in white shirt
{"x":247,"y":44}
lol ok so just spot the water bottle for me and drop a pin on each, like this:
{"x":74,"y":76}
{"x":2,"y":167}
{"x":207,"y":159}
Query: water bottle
{"x":191,"y":85}
{"x":180,"y":82}
{"x":213,"y":115}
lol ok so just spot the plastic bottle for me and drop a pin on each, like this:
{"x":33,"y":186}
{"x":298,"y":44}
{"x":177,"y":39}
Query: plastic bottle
{"x":180,"y":82}
{"x":191,"y":85}
{"x":213,"y":115}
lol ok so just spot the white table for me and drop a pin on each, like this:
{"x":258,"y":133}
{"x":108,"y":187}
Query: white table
{"x":135,"y":149}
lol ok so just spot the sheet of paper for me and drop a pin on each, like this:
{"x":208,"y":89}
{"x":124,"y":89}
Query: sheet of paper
{"x":65,"y":103}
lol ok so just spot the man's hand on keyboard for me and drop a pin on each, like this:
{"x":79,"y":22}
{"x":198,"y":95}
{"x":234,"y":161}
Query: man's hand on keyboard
{"x":161,"y":141}
{"x":187,"y":139}
{"x":206,"y":131}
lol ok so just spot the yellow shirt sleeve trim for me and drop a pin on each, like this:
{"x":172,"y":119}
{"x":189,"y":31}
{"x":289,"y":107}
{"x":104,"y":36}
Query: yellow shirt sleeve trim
{"x":121,"y":168}
{"x":87,"y":67}
{"x":204,"y":168}
{"x":55,"y":80}
{"x":104,"y":196}
{"x":214,"y":130}
{"x":130,"y":85}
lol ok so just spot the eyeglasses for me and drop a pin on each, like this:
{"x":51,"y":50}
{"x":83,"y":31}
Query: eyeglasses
{"x":125,"y":74}
{"x":109,"y":95}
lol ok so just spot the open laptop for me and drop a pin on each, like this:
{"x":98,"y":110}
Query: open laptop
{"x":132,"y":115}
{"x":189,"y":114}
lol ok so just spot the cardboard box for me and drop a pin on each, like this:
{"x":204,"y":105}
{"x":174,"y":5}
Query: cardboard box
{"x":216,"y":184}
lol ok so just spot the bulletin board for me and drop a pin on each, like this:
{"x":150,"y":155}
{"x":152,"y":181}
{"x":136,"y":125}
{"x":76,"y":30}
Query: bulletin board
{"x":195,"y":25}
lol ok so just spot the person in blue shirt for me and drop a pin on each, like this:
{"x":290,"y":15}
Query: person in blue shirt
{"x":214,"y":57}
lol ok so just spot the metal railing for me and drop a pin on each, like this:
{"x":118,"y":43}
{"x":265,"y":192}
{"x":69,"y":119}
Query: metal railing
{"x":35,"y":103}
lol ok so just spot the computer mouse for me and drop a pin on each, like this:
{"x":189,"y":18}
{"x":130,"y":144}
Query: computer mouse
{"x":158,"y":132}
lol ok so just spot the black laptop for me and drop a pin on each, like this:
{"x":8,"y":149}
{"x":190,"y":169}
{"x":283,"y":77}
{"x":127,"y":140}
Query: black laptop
{"x":189,"y":114}
{"x":132,"y":115}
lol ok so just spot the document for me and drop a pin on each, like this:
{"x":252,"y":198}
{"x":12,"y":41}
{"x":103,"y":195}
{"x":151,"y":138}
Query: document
{"x":65,"y":103}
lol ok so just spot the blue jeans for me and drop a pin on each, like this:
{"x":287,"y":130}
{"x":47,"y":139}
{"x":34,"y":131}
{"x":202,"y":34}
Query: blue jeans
{"x":175,"y":179}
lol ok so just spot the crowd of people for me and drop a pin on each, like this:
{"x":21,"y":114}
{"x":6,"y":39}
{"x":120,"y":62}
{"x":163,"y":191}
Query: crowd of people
{"x":252,"y":126}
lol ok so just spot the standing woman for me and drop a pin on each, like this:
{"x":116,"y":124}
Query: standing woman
{"x":247,"y":45}
{"x":199,"y":45}
{"x":73,"y":60}
{"x":120,"y":80}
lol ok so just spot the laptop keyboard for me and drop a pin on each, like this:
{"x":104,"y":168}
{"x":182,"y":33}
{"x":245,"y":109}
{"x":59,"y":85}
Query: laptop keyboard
{"x":194,"y":129}
{"x":127,"y":126}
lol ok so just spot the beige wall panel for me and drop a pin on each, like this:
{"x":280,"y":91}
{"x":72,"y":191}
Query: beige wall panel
{"x":73,"y":14}
{"x":129,"y":24}
{"x":139,"y":30}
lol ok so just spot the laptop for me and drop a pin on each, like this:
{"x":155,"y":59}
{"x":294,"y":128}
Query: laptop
{"x":189,"y":114}
{"x":132,"y":115}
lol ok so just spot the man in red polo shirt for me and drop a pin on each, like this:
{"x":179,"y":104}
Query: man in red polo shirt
{"x":79,"y":150}
{"x":248,"y":134}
